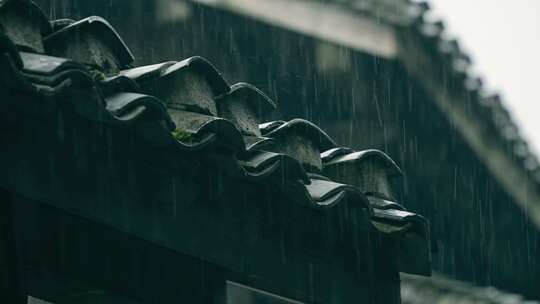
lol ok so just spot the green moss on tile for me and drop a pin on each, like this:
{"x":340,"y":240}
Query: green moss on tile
{"x":181,"y":135}
{"x":97,"y":75}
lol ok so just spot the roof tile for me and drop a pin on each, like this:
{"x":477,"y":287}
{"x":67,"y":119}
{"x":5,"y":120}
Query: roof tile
{"x":199,"y":126}
{"x":300,"y":139}
{"x":92,"y":41}
{"x":129,"y":107}
{"x":190,"y":84}
{"x":369,"y":170}
{"x":244,"y":106}
{"x":283,"y":167}
{"x":24,"y":23}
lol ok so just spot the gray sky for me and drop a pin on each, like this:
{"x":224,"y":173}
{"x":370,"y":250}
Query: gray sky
{"x":503,"y":38}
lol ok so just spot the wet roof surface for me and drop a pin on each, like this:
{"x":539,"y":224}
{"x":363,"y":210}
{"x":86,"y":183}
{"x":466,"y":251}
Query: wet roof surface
{"x":189,"y":108}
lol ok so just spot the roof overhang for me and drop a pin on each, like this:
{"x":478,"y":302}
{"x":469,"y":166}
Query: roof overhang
{"x":328,"y":22}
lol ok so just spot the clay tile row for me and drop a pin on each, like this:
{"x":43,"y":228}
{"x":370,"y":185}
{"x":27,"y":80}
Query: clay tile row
{"x":189,"y":106}
{"x":371,"y":172}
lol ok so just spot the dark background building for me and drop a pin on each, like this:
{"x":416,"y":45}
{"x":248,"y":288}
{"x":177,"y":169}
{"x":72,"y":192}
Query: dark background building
{"x":381,"y":77}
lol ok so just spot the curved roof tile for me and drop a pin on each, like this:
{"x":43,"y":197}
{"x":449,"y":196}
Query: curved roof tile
{"x":192,"y":124}
{"x":300,"y":139}
{"x":245,"y":105}
{"x":301,"y":127}
{"x":24,"y":23}
{"x":263,"y":164}
{"x":369,"y":170}
{"x":347,"y":156}
{"x":93,"y":41}
{"x":191,"y":84}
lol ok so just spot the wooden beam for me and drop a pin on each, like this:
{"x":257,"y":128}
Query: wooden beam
{"x":328,"y":22}
{"x":117,"y":189}
{"x":73,"y":260}
{"x":132,"y":267}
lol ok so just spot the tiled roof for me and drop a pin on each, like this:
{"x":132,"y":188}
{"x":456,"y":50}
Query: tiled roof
{"x":439,"y":289}
{"x":189,"y":108}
